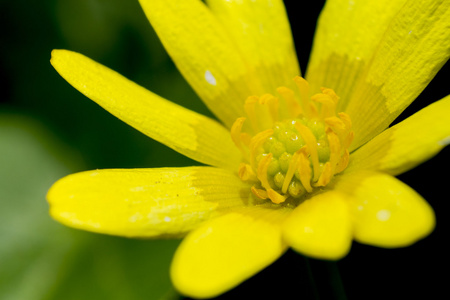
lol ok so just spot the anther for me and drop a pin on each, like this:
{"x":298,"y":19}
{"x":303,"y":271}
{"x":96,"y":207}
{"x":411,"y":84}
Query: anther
{"x":292,"y":104}
{"x":311,"y":143}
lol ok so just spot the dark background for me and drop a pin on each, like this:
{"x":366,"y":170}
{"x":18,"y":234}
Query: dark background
{"x":83,"y":136}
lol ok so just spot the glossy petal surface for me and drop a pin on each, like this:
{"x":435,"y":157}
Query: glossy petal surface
{"x":385,"y":211}
{"x":204,"y":53}
{"x":414,"y":48}
{"x":346,"y":38}
{"x":261,"y":31}
{"x":227,"y":250}
{"x":165,"y":202}
{"x":185,"y":131}
{"x":385,"y":53}
{"x":320,"y":227}
{"x":407,"y":144}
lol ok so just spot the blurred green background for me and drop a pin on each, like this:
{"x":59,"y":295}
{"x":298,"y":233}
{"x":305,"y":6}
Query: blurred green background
{"x":49,"y":130}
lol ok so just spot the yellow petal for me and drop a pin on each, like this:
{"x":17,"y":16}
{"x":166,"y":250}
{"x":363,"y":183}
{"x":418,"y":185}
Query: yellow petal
{"x":262,"y":33}
{"x":227,"y":250}
{"x":392,"y":53}
{"x":185,"y":131}
{"x":320,"y":227}
{"x":346,"y":37}
{"x":407,"y":144}
{"x":385,"y":211}
{"x":204,"y":53}
{"x":414,"y":48}
{"x":164,"y":202}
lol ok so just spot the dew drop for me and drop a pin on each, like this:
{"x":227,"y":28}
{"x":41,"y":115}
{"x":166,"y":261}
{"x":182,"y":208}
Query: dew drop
{"x":210,"y":78}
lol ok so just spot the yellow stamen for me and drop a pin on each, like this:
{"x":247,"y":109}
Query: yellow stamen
{"x":303,"y":87}
{"x":330,"y":93}
{"x":261,"y":194}
{"x":293,"y":166}
{"x":337,"y":124}
{"x":272,"y":105}
{"x":326,"y":175}
{"x":291,"y":157}
{"x":292,"y":105}
{"x":304,"y":170}
{"x":262,"y":170}
{"x":236,"y":133}
{"x":311,"y":143}
{"x":257,"y":142}
{"x":335,"y":148}
{"x":343,"y":162}
{"x":275,"y":197}
{"x":346,"y":119}
{"x":348,"y":139}
{"x":246,"y":173}
{"x":328,"y":108}
{"x":246,"y":139}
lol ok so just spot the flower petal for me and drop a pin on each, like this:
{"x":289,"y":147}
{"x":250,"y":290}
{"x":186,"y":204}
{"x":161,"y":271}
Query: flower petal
{"x":385,"y":211}
{"x":397,"y":63}
{"x":346,"y":37}
{"x":165,"y":202}
{"x":204,"y":53}
{"x":185,"y":131}
{"x":262,"y":33}
{"x":227,"y":250}
{"x":407,"y":144}
{"x":320,"y":227}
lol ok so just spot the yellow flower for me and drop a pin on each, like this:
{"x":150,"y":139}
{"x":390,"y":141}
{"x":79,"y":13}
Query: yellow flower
{"x":376,"y":55}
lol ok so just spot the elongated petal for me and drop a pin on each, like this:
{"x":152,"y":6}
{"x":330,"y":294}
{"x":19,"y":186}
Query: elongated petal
{"x":407,"y":144}
{"x":346,"y":37}
{"x":204,"y":53}
{"x":320,"y":227}
{"x":227,"y":250}
{"x":145,"y":203}
{"x":185,"y":131}
{"x":262,"y":33}
{"x":385,"y":211}
{"x":414,"y":48}
{"x":409,"y":52}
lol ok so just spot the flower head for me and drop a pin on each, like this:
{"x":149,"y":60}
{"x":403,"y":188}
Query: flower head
{"x":291,"y":164}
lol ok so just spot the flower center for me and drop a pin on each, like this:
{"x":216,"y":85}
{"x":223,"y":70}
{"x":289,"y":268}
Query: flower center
{"x":293,"y":146}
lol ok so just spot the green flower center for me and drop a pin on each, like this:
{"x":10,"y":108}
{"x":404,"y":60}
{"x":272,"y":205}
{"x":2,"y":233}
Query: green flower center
{"x":294,"y":156}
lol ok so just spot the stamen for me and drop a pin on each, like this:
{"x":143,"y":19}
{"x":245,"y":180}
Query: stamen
{"x":303,"y":87}
{"x":330,"y":93}
{"x":328,"y":108}
{"x":236,"y":134}
{"x":337,"y":124}
{"x":293,"y":166}
{"x":261,"y":194}
{"x":275,"y":197}
{"x":343,"y":162}
{"x":346,"y":119}
{"x":292,"y":105}
{"x":262,"y":171}
{"x":304,"y":170}
{"x":326,"y":175}
{"x":348,"y":139}
{"x":291,"y":157}
{"x":335,"y":148}
{"x":257,"y":142}
{"x":246,"y":173}
{"x":272,"y":105}
{"x":246,"y":138}
{"x":311,"y":143}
